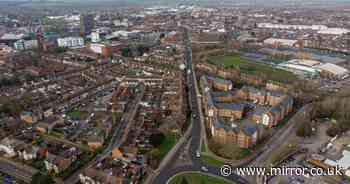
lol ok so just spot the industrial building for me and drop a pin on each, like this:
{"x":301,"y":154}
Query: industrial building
{"x":281,"y":42}
{"x":333,"y":71}
{"x":300,"y":67}
{"x":313,"y":68}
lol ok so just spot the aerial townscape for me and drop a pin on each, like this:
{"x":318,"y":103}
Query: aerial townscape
{"x":174,"y":92}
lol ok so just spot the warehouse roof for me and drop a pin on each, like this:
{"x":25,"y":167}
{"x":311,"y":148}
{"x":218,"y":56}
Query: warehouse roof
{"x":334,"y":69}
{"x":306,"y":62}
{"x":334,"y":31}
{"x":298,"y":67}
{"x":218,"y":80}
{"x":281,"y":41}
{"x":231,"y":106}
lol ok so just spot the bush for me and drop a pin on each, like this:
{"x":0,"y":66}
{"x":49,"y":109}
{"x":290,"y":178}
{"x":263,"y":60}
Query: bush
{"x":39,"y":178}
{"x":333,"y":131}
{"x":304,"y":129}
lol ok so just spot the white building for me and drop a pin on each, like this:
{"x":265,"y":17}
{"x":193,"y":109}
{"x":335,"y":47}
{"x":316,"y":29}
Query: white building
{"x":28,"y":154}
{"x":8,"y":149}
{"x":19,"y":45}
{"x":11,"y":36}
{"x":283,"y":42}
{"x":123,"y":22}
{"x":70,"y":42}
{"x":51,"y":167}
{"x":97,"y":48}
{"x":13,"y":147}
{"x":301,"y":66}
{"x":334,"y":71}
{"x":321,"y":29}
{"x":95,"y":37}
{"x":334,"y":31}
{"x":289,"y":26}
{"x":25,"y":44}
{"x":87,"y":180}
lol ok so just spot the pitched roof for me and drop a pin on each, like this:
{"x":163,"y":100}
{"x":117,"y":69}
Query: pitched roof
{"x":218,"y":80}
{"x":231,"y":106}
{"x":221,"y":94}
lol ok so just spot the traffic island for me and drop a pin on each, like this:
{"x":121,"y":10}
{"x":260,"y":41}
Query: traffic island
{"x":196,"y":177}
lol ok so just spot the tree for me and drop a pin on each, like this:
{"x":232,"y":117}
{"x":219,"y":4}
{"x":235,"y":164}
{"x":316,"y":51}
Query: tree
{"x":141,"y":49}
{"x":57,"y":50}
{"x":340,"y":127}
{"x":333,"y":131}
{"x":304,"y":128}
{"x":27,"y":100}
{"x":154,"y":155}
{"x":12,"y":107}
{"x":39,"y":178}
{"x":126,"y":52}
{"x":156,"y":139}
{"x":162,"y":35}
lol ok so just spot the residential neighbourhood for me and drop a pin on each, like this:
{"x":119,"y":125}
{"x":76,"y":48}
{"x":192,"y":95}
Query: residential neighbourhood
{"x":155,"y":92}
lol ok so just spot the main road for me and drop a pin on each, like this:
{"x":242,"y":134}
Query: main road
{"x":169,"y":169}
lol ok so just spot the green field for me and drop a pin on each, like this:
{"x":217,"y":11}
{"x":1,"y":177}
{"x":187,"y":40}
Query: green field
{"x":211,"y":161}
{"x":78,"y":115}
{"x":196,"y":178}
{"x":254,"y":68}
{"x":167,"y":144}
{"x":229,"y":151}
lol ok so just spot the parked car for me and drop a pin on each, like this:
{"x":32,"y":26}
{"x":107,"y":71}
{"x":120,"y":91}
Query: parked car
{"x":204,"y":169}
{"x":198,"y":155}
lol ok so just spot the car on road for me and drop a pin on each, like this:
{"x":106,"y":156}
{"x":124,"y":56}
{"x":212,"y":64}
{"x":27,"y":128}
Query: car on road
{"x":194,"y":115}
{"x":198,"y":155}
{"x":204,"y":169}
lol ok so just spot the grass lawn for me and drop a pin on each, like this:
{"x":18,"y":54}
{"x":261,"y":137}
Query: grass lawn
{"x":229,"y":151}
{"x":254,"y":68}
{"x":211,"y":161}
{"x":169,"y":141}
{"x":196,"y":178}
{"x":57,"y":134}
{"x":203,"y":148}
{"x":78,"y":115}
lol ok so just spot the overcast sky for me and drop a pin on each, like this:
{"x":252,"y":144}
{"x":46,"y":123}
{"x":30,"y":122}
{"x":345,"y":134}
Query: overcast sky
{"x":214,"y":2}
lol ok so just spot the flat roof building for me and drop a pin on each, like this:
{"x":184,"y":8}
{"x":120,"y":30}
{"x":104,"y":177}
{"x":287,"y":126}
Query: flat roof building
{"x":332,"y":70}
